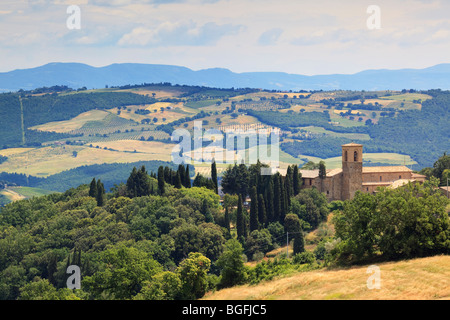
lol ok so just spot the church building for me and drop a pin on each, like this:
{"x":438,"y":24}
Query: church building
{"x":342,"y":183}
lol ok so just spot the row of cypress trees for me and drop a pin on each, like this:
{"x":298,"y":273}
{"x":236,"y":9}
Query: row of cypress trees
{"x":270,"y":197}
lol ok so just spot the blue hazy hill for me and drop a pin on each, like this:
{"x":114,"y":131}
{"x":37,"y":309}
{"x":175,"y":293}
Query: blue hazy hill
{"x":77,"y":75}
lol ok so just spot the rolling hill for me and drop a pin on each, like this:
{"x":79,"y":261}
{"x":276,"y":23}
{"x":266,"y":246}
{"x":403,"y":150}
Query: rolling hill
{"x":77,"y":75}
{"x":417,"y":279}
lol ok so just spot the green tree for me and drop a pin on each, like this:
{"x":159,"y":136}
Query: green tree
{"x":277,"y":197}
{"x":161,"y":180}
{"x":240,"y":221}
{"x":262,"y":216}
{"x":227,"y":219}
{"x":187,"y":178}
{"x":42,"y":289}
{"x":296,"y":180}
{"x":214,"y":176}
{"x":206,"y":211}
{"x":233,"y":271}
{"x":123,"y":274}
{"x":322,"y":174}
{"x":193,"y":275}
{"x":93,"y":189}
{"x":100,"y":194}
{"x":254,"y":223}
{"x":293,"y":227}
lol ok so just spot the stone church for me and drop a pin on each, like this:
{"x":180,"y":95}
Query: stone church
{"x":342,"y":183}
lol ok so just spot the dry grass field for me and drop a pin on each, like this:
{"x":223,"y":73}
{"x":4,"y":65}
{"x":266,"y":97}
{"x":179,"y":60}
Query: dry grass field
{"x":418,"y":279}
{"x":42,"y":162}
{"x":72,"y":124}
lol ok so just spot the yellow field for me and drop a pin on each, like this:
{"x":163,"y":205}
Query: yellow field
{"x":418,"y":279}
{"x":169,"y":115}
{"x":12,"y":151}
{"x":159,"y":93}
{"x":154,"y":148}
{"x":12,"y":195}
{"x":46,"y":161}
{"x":72,"y":124}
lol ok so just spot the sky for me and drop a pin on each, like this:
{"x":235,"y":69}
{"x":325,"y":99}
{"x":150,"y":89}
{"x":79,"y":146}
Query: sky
{"x":301,"y":37}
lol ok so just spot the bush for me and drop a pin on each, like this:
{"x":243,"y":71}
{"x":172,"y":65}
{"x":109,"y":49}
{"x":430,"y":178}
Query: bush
{"x":305,"y":257}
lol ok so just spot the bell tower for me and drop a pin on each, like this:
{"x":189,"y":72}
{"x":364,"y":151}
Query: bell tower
{"x":351,"y":170}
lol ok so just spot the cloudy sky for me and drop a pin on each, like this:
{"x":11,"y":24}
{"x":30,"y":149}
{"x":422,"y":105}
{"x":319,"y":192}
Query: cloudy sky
{"x":294,"y":36}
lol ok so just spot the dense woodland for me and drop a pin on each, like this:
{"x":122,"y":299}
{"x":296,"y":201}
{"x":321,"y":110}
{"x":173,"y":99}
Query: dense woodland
{"x":155,"y":236}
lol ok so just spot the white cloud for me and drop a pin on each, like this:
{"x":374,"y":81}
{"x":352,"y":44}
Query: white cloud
{"x":183,"y":33}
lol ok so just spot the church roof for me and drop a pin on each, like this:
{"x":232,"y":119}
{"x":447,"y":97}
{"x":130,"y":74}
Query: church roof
{"x":352,"y":144}
{"x":386,"y":169}
{"x":310,"y":174}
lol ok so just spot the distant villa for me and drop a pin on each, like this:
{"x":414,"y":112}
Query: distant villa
{"x":342,"y":183}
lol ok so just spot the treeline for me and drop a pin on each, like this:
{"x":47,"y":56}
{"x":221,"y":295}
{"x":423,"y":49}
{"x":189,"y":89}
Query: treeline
{"x":276,"y":202}
{"x":440,"y":170}
{"x":110,"y":174}
{"x":402,"y":223}
{"x":144,"y":241}
{"x":170,"y":127}
{"x":124,"y":246}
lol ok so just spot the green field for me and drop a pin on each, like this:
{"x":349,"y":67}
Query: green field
{"x":12,"y":194}
{"x":408,"y":97}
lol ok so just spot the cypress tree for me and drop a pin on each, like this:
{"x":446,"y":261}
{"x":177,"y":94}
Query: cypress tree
{"x":177,"y":183}
{"x":288,"y":185}
{"x":214,"y":176}
{"x":276,"y":197}
{"x":161,"y":181}
{"x":262,"y":217}
{"x":322,"y":174}
{"x":283,"y":200}
{"x":100,"y":193}
{"x":296,"y":180}
{"x":254,"y":223}
{"x":167,"y":175}
{"x":93,"y":189}
{"x":299,"y":242}
{"x":131,"y":183}
{"x":182,"y":172}
{"x":240,"y":220}
{"x":227,"y":219}
{"x":206,"y":212}
{"x":269,"y":202}
{"x":187,"y":178}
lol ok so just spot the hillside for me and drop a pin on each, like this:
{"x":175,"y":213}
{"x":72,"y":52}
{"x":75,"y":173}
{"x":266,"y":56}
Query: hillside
{"x":79,"y":75}
{"x":50,"y":130}
{"x":421,"y":279}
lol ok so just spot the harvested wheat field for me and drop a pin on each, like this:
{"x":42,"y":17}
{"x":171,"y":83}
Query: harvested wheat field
{"x":418,"y":279}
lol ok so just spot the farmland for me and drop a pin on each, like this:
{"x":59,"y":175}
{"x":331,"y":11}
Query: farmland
{"x":129,"y":132}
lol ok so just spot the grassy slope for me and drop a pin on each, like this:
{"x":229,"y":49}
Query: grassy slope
{"x":20,"y":193}
{"x":426,"y":278}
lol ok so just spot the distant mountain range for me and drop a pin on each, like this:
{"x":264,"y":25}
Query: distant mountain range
{"x":77,"y":75}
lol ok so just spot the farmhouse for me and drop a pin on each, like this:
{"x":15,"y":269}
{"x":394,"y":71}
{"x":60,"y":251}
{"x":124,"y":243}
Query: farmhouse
{"x":342,"y":183}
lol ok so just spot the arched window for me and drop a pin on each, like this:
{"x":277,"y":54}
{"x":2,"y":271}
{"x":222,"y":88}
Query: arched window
{"x":346,"y":156}
{"x":355,"y":156}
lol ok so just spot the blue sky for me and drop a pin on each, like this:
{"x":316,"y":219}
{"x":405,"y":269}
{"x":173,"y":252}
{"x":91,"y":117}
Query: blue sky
{"x":304,"y":37}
